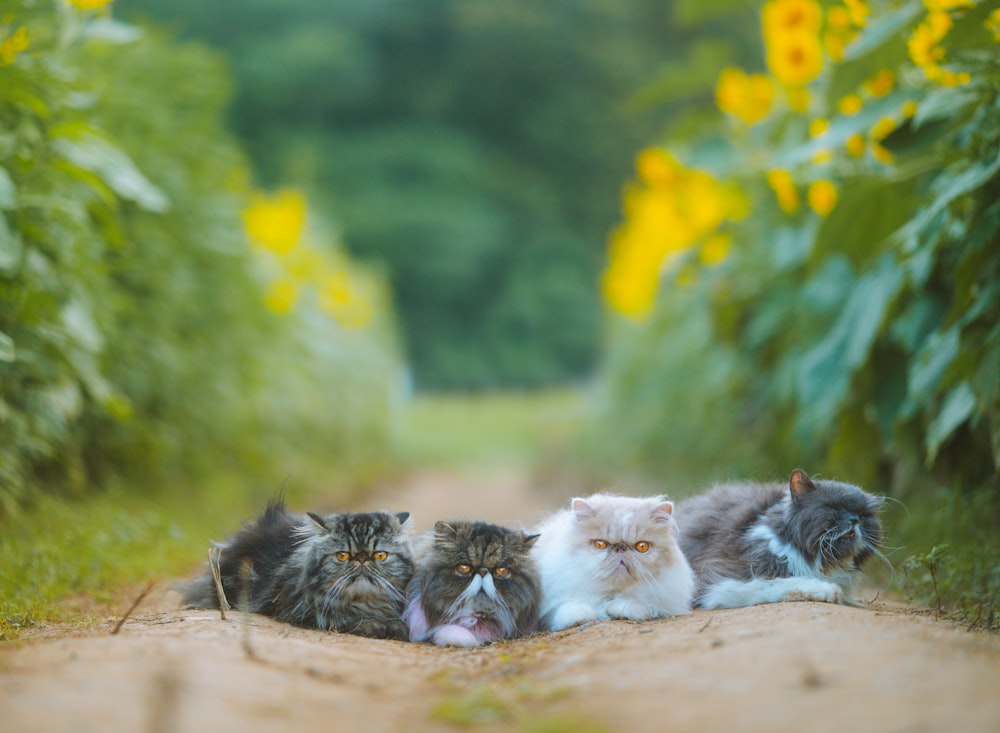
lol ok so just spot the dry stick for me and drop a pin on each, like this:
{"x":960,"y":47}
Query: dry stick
{"x":135,"y":605}
{"x":245,"y":570}
{"x":214,"y":557}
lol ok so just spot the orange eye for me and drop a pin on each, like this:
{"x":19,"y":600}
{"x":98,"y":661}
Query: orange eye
{"x":601,"y":544}
{"x":343,"y":556}
{"x":642,"y":546}
{"x":380,"y":555}
{"x":502,"y":572}
{"x":464,"y":569}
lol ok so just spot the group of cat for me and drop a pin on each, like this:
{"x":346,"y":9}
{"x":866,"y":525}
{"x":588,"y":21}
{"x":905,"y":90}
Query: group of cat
{"x":605,"y":557}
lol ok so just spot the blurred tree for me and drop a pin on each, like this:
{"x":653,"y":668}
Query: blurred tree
{"x":475,"y":148}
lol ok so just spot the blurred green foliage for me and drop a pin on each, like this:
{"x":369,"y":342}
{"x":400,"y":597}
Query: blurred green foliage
{"x":861,"y":342}
{"x":133,"y":333}
{"x":475,"y":148}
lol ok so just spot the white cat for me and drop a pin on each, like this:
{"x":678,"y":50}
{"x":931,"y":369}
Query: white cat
{"x":611,"y":556}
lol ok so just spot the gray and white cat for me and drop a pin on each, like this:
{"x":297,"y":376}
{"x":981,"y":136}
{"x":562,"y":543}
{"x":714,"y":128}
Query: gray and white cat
{"x":475,"y":583}
{"x":343,"y":572}
{"x":761,"y":543}
{"x":611,"y":556}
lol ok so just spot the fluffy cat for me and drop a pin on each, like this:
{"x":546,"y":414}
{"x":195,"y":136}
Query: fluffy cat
{"x":342,"y":572}
{"x":611,"y":556}
{"x":763,"y":543}
{"x":475,"y":583}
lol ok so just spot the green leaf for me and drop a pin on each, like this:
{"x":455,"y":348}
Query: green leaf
{"x":7,"y":189}
{"x":937,"y":354}
{"x":825,"y":371}
{"x":7,"y":351}
{"x":115,"y":168}
{"x":957,"y":408}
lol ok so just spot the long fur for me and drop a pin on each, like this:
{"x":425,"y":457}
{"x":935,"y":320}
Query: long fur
{"x":497,"y":597}
{"x":755,"y":543}
{"x":293,"y":572}
{"x":581,"y":582}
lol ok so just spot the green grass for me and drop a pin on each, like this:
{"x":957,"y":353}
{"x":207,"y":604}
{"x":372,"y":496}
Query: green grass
{"x":61,"y":548}
{"x":489,"y":431}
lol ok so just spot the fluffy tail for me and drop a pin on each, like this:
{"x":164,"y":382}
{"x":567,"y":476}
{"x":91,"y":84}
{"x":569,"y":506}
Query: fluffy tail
{"x":248,"y":563}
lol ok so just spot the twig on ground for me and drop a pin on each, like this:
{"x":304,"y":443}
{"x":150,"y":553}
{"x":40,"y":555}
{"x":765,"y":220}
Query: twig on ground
{"x":214,"y":557}
{"x":245,"y":569}
{"x":707,"y":624}
{"x":135,"y":605}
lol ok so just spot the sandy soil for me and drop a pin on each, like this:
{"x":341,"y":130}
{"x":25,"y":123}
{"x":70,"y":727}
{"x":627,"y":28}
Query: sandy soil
{"x":785,"y":667}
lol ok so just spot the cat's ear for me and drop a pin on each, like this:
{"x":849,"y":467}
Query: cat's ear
{"x":582,"y":508}
{"x":663,"y":511}
{"x":318,"y":521}
{"x":402,"y":517}
{"x":800,"y":483}
{"x":443,"y":529}
{"x":529,"y":539}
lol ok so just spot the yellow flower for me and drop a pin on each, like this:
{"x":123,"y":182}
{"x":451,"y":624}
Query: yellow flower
{"x":952,"y":79}
{"x":276,"y":222}
{"x":909,"y":109}
{"x":834,"y":43}
{"x":992,"y":24}
{"x":818,"y":127}
{"x":345,"y":299}
{"x":880,"y":84}
{"x":838,"y":17}
{"x":788,"y":16}
{"x":281,"y":296}
{"x":715,"y":249}
{"x":858,"y":10}
{"x":855,"y":146}
{"x":89,"y":4}
{"x":822,"y":196}
{"x":746,"y":97}
{"x":13,"y":45}
{"x":795,"y":58}
{"x":881,"y":154}
{"x":939,"y":23}
{"x":656,"y":167}
{"x":882,"y":129}
{"x":849,"y":104}
{"x":933,"y":5}
{"x":784,"y":189}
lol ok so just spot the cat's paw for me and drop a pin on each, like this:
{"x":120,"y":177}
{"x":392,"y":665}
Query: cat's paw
{"x":820,"y":591}
{"x":452,"y":635}
{"x":626,"y":609}
{"x":383,"y":630}
{"x":571,"y":614}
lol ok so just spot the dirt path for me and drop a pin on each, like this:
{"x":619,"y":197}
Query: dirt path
{"x":786,"y":667}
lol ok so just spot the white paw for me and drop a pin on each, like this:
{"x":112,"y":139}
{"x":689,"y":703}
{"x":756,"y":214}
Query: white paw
{"x":452,"y":635}
{"x":624,"y":608}
{"x":571,"y":614}
{"x":815,"y":590}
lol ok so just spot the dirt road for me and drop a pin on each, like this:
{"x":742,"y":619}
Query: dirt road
{"x":785,"y":667}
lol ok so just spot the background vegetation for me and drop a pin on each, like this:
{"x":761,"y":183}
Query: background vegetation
{"x":802,"y":272}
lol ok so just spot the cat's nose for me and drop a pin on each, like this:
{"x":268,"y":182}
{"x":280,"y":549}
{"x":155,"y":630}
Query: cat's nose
{"x":484,"y":572}
{"x":620,"y":547}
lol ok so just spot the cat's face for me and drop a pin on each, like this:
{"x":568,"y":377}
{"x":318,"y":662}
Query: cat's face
{"x":361,"y":554}
{"x":623,"y":540}
{"x":833,"y":522}
{"x":481,"y":574}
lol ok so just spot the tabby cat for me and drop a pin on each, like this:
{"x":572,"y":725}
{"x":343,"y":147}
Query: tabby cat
{"x":341,"y":572}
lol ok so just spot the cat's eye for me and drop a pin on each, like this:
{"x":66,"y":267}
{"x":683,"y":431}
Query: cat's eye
{"x":601,"y":544}
{"x":501,"y":572}
{"x":641,"y":546}
{"x":464,"y":569}
{"x":343,"y":556}
{"x":380,"y":555}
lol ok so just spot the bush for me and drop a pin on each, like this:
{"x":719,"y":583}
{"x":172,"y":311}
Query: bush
{"x":815,"y":282}
{"x":135,"y":332}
